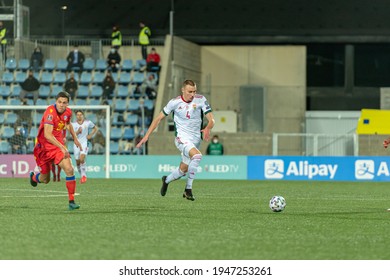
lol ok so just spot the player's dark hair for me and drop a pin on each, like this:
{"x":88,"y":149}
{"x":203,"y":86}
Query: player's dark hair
{"x":79,"y":111}
{"x":63,"y":94}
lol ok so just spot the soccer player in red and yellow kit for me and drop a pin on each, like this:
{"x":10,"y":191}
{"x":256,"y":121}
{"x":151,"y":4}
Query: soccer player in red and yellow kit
{"x":50,"y":145}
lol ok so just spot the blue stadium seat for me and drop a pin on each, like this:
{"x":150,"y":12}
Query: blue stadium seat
{"x":49,"y":65}
{"x":96,"y":91}
{"x":11,"y":118}
{"x":42,"y":102}
{"x":124,"y":78}
{"x":123,"y":91}
{"x":44,"y":91}
{"x":120,"y":106}
{"x":139,"y":64}
{"x":81,"y":102}
{"x":24,"y":64}
{"x":93,"y":101}
{"x":37,"y":117}
{"x":147,"y":122}
{"x":114,"y":148}
{"x":149,"y":105}
{"x":138,"y":78}
{"x":101,"y":65}
{"x":30,"y":147}
{"x":98,"y":78}
{"x":3,"y":101}
{"x":83,"y":92}
{"x":33,"y":132}
{"x":89,"y":64}
{"x":20,"y":77}
{"x":117,"y":119}
{"x":5,"y":91}
{"x":2,"y":118}
{"x":92,"y":117}
{"x":70,"y":146}
{"x":116,"y":134}
{"x":129,"y":134}
{"x":133,"y":106}
{"x":4,"y":147}
{"x":8,"y":78}
{"x":15,"y":101}
{"x":15,"y":91}
{"x":59,"y":78}
{"x":127,"y":65}
{"x":46,"y":78}
{"x":131,"y":120}
{"x":62,"y":64}
{"x":86,"y":78}
{"x":55,"y":90}
{"x":8,"y":132}
{"x":11,"y":64}
{"x":114,"y":76}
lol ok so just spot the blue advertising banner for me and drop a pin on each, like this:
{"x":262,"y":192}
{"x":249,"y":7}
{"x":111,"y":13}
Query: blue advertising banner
{"x":211,"y":167}
{"x":319,"y":168}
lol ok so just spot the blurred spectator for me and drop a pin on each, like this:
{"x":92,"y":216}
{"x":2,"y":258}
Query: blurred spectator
{"x":127,"y":147}
{"x":101,"y":117}
{"x":116,"y":37}
{"x":140,"y":150}
{"x":18,"y":142}
{"x":108,"y":86}
{"x":143,"y":39}
{"x":215,"y":148}
{"x":30,"y":86}
{"x":24,"y":118}
{"x":151,"y":86}
{"x":3,"y":41}
{"x":71,"y":86}
{"x":98,"y":143}
{"x":75,"y":60}
{"x":153,"y":61}
{"x":36,"y":60}
{"x":113,"y":60}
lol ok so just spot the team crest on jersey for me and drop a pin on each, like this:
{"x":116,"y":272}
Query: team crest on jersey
{"x":65,"y":118}
{"x":194,"y":106}
{"x":49,"y":117}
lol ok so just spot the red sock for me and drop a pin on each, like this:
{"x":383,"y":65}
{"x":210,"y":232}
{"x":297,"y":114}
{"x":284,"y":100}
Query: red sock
{"x":71,"y":186}
{"x":53,"y":169}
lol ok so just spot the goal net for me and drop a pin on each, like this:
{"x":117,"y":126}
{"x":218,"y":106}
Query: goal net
{"x":19,"y":127}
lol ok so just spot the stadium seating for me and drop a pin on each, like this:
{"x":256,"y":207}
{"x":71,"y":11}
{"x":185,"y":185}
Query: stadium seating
{"x":15,"y":91}
{"x":114,"y":148}
{"x":46,"y":78}
{"x":11,"y":64}
{"x":86,"y":78}
{"x":44,"y":91}
{"x":23,"y":64}
{"x":131,"y":120}
{"x":129,"y":134}
{"x":138,"y":78}
{"x":62,"y":64}
{"x":98,"y":78}
{"x":20,"y":77}
{"x":139,"y":64}
{"x":33,"y":132}
{"x":2,"y":118}
{"x":96,"y":91}
{"x":116,"y":134}
{"x":4,"y":147}
{"x":49,"y":65}
{"x":8,"y":132}
{"x":10,"y":118}
{"x":5,"y":91}
{"x":8,"y":78}
{"x":133,"y":106}
{"x":127,"y":65}
{"x":83,"y":92}
{"x":123,"y":91}
{"x":120,"y":106}
{"x":59,"y":78}
{"x":101,"y":65}
{"x":124,"y":78}
{"x":89,"y":64}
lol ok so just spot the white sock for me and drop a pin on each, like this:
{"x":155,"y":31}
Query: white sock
{"x":83,"y":168}
{"x":175,"y":175}
{"x":78,"y":169}
{"x":192,"y":169}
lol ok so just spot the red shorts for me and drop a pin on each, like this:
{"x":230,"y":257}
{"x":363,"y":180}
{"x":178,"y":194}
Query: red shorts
{"x":45,"y":158}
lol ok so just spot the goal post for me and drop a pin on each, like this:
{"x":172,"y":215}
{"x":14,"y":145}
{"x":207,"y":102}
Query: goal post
{"x":24,"y":120}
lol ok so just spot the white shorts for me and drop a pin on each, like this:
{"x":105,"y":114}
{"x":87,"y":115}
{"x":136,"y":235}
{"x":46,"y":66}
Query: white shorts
{"x":184,"y":147}
{"x":77,"y":152}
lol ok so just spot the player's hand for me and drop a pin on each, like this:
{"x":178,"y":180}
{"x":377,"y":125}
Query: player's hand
{"x":140,"y":143}
{"x":206,"y":133}
{"x":386,"y":143}
{"x":77,"y":143}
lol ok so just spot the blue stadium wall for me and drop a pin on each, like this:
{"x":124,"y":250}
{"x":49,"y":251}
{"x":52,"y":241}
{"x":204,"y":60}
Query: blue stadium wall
{"x":347,"y":168}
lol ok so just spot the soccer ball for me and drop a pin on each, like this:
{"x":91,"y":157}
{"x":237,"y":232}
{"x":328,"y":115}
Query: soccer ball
{"x":277,"y":203}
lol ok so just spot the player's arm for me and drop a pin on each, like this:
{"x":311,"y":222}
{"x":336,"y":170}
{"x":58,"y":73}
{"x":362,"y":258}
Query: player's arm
{"x":207,"y":130}
{"x":152,"y":127}
{"x":74,"y":136}
{"x":48,"y":133}
{"x":93,"y":132}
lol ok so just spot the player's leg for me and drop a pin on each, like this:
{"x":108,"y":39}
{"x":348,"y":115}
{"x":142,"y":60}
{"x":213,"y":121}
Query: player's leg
{"x":59,"y":173}
{"x":67,"y":167}
{"x":44,"y":162}
{"x":53,"y":169}
{"x":195,"y":156}
{"x":83,"y":167}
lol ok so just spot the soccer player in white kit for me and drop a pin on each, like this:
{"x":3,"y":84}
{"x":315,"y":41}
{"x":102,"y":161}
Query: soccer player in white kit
{"x":188,"y":110}
{"x":82,"y":127}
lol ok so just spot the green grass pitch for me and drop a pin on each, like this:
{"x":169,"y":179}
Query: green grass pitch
{"x":128,"y":219}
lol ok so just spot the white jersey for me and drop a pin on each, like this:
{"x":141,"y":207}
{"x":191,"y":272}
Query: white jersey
{"x":85,"y":126}
{"x":188,"y":116}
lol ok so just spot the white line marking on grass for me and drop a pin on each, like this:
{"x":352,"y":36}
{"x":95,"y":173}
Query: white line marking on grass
{"x":38,"y":193}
